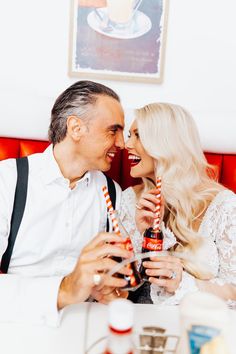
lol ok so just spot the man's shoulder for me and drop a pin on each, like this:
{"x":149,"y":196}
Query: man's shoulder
{"x":8,"y":168}
{"x":8,"y":176}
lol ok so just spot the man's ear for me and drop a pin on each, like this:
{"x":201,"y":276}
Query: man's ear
{"x":75,"y":127}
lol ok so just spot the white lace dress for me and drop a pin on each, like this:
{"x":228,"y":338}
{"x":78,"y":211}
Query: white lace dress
{"x":219,"y":229}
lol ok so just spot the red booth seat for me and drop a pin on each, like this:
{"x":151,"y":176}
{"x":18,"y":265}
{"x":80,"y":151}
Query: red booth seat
{"x":224,"y":164}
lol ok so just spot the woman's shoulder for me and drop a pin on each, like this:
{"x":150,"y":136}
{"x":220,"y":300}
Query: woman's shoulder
{"x":225,"y":197}
{"x":220,"y":212}
{"x":223,"y":201}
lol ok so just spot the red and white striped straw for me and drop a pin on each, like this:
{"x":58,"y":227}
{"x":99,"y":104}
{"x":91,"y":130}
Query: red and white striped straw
{"x":157,"y":219}
{"x":111,"y":210}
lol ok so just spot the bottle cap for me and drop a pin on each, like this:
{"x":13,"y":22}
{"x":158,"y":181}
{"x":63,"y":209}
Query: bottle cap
{"x":121,"y":314}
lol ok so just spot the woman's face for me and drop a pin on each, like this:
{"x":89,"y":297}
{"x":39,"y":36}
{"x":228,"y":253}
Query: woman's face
{"x":142,"y":165}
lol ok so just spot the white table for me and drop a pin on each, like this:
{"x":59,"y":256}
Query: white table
{"x":70,"y":337}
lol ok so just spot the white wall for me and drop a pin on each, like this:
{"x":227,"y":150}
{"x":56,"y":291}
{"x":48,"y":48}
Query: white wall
{"x":199,"y":67}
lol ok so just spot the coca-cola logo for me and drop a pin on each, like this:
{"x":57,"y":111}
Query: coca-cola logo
{"x":152,"y":244}
{"x":154,"y":247}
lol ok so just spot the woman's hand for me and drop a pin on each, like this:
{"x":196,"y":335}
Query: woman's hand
{"x":146,"y":210}
{"x":165,"y":271}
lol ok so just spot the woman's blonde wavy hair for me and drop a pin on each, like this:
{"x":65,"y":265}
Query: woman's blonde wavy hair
{"x":169,"y":134}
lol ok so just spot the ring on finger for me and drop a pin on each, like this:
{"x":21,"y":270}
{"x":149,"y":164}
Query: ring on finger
{"x":137,"y":206}
{"x":97,"y":279}
{"x":117,"y":292}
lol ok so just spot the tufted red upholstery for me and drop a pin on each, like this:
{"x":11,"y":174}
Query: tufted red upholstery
{"x":9,"y":148}
{"x":28,"y":147}
{"x":224,"y":164}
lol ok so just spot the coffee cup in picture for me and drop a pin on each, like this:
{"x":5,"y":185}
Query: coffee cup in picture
{"x":121,"y":12}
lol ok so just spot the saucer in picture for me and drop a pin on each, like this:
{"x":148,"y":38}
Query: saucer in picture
{"x":140,"y":25}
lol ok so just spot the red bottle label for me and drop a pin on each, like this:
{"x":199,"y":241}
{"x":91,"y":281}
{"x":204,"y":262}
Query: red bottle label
{"x":126,"y":245}
{"x":152,"y":244}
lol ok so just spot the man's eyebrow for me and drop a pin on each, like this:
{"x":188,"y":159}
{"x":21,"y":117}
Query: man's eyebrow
{"x":116,"y":126}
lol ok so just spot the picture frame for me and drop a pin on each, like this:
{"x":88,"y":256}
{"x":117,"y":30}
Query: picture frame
{"x":118,"y":49}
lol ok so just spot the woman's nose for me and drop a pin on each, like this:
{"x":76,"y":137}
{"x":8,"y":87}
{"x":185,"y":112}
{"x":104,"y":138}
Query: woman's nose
{"x":128,"y":144}
{"x":120,"y":143}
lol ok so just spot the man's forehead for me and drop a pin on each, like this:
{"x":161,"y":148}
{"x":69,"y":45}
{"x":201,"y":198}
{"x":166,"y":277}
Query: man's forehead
{"x":109,"y":111}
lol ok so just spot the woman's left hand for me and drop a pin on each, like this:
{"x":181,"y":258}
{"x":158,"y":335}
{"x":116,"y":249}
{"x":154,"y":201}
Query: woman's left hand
{"x":146,"y":210}
{"x":165,"y":271}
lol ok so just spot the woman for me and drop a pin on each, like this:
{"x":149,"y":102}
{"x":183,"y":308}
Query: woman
{"x":198,"y":211}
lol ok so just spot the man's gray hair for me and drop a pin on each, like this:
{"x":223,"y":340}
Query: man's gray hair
{"x":77,"y":100}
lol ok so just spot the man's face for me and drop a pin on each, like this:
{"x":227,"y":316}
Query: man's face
{"x":104,"y":134}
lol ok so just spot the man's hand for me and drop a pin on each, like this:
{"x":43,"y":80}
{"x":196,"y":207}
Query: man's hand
{"x":79,"y":285}
{"x":107,"y":294}
{"x":145,"y":210}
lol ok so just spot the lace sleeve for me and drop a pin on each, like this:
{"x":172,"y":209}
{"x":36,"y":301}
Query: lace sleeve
{"x":220,"y":223}
{"x":161,"y":297}
{"x":127,"y":216}
{"x":226,"y":243}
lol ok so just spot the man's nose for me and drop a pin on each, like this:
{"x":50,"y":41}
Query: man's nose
{"x":120,"y":143}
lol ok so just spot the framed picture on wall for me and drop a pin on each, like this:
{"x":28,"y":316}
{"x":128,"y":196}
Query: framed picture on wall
{"x":118,"y":39}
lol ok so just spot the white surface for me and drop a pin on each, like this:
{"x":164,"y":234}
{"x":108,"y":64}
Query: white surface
{"x":69,"y":337}
{"x":140,"y":25}
{"x":199,"y":67}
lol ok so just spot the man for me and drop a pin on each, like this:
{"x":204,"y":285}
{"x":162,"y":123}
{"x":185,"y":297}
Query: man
{"x":56,"y":260}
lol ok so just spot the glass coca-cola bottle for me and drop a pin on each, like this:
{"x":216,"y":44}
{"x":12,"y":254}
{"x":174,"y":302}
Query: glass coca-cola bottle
{"x":134,"y":280}
{"x":152,"y":241}
{"x":120,"y":323}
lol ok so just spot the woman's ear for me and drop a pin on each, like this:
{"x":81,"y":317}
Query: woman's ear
{"x":75,"y":127}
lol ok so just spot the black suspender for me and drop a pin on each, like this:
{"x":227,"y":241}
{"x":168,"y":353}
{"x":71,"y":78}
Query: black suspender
{"x":18,"y":209}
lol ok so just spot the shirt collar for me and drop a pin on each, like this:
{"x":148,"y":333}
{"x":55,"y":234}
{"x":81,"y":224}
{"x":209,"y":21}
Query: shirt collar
{"x":51,"y":171}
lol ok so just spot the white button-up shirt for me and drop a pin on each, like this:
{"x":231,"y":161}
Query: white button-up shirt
{"x":57,"y":223}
